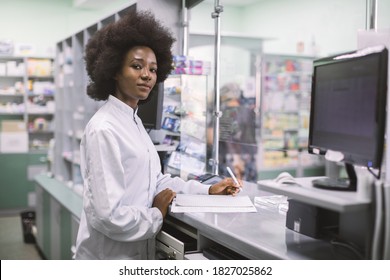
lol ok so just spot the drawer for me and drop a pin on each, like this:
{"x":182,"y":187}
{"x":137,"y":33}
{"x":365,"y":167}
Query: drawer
{"x":168,"y":248}
{"x":171,"y":243}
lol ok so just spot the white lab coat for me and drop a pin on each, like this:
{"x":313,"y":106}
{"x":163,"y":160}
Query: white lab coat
{"x":122,"y":174}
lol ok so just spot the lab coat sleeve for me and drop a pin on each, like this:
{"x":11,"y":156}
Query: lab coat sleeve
{"x":103,"y":197}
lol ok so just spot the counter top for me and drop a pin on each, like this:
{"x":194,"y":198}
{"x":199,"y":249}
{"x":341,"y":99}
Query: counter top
{"x":340,"y":201}
{"x":261,"y":235}
{"x":63,"y":194}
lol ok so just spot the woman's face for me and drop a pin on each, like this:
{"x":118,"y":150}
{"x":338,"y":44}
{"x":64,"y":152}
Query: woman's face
{"x":137,"y":76}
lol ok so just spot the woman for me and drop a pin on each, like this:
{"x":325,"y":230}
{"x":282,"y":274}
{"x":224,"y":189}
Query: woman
{"x":125,"y":194}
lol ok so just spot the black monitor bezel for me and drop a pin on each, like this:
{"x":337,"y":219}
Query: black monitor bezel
{"x":152,"y":105}
{"x":380,"y":127}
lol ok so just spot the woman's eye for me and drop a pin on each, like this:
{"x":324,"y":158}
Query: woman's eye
{"x":137,"y":66}
{"x":153,"y":70}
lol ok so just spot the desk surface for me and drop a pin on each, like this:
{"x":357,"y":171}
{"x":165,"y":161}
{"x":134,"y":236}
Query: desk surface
{"x":261,"y":235}
{"x":340,"y":201}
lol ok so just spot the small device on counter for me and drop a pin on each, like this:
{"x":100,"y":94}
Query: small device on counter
{"x":209,"y":178}
{"x":311,"y":220}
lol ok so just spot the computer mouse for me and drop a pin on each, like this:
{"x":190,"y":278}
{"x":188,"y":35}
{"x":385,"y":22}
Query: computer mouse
{"x":285,"y":178}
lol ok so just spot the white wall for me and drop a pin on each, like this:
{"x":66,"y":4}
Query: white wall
{"x":234,"y":61}
{"x":43,"y":23}
{"x":331,"y":24}
{"x":324,"y":27}
{"x":383,"y":14}
{"x":231,"y":18}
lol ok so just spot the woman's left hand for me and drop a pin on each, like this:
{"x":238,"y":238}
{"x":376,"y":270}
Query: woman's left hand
{"x":225,"y":187}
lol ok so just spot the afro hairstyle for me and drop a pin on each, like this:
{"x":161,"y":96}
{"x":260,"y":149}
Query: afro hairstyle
{"x":106,"y":50}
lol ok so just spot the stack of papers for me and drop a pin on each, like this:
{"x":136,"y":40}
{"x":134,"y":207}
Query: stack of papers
{"x":211,"y":203}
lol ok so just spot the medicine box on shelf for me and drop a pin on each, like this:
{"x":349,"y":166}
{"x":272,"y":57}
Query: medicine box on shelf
{"x":12,"y":126}
{"x":13,"y":137}
{"x":13,"y":142}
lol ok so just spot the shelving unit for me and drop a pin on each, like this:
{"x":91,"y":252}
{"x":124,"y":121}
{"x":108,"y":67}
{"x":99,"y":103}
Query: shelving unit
{"x":76,"y":106}
{"x":184,"y":122}
{"x":12,"y":87}
{"x":285,"y":109}
{"x":27,"y":95}
{"x":26,"y":121}
{"x":40,"y":102}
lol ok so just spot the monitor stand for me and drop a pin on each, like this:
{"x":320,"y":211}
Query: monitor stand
{"x":339,"y":184}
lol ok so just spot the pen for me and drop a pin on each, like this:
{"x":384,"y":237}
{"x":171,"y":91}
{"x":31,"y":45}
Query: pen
{"x":233,"y":177}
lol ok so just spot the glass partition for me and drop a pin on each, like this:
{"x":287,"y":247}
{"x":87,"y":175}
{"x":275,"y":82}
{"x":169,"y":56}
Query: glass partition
{"x":251,"y":34}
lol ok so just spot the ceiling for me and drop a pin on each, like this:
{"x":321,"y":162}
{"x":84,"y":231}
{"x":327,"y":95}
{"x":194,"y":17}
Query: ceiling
{"x":237,"y":3}
{"x":89,"y":3}
{"x":101,"y":3}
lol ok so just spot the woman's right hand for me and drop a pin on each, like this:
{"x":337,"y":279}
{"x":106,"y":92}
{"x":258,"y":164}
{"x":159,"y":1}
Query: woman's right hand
{"x":163,"y":199}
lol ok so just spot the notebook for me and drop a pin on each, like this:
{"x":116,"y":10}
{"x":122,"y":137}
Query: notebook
{"x":212,"y":203}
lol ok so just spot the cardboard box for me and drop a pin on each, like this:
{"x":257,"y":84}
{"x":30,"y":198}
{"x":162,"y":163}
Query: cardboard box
{"x":13,"y":126}
{"x":13,"y":142}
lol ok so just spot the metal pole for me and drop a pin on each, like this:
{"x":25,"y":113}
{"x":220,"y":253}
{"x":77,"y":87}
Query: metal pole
{"x":217,"y":113}
{"x":184,"y":11}
{"x":371,"y":14}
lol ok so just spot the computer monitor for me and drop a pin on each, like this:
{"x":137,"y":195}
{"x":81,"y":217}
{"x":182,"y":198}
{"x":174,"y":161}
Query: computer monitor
{"x":151,"y":109}
{"x":348,"y":111}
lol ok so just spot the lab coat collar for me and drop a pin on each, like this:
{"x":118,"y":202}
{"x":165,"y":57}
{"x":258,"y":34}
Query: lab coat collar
{"x":122,"y":106}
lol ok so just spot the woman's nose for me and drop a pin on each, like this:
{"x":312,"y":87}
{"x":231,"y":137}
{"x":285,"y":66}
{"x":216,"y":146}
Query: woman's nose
{"x":146,"y":75}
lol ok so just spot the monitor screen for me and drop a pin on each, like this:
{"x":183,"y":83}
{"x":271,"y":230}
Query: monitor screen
{"x":150,"y":110}
{"x":348,"y":106}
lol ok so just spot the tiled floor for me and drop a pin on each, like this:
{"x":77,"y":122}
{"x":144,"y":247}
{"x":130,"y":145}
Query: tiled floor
{"x":12,"y":246}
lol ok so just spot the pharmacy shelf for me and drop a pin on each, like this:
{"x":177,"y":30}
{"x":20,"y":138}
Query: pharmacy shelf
{"x":75,"y":107}
{"x":27,"y":95}
{"x":184,"y":121}
{"x":285,"y":103}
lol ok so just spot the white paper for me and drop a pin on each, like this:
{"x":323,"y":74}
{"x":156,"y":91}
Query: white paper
{"x":211,"y":203}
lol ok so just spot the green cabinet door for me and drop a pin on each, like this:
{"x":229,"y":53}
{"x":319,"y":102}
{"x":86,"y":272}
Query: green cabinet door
{"x":16,"y":182}
{"x":14,"y":185}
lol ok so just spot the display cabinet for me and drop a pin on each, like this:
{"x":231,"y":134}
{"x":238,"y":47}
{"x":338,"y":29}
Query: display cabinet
{"x":184,"y":121}
{"x":58,"y":213}
{"x":17,"y":174}
{"x":40,"y":102}
{"x":12,"y":88}
{"x":285,"y":112}
{"x":26,"y":126}
{"x":76,"y":107}
{"x":27,"y":95}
